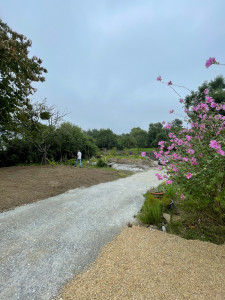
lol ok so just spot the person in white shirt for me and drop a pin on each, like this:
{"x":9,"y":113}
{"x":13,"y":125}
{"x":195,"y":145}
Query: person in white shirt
{"x":79,"y":155}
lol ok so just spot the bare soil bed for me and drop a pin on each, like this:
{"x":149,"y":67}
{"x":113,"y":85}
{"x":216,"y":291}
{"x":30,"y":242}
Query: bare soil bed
{"x":22,"y":185}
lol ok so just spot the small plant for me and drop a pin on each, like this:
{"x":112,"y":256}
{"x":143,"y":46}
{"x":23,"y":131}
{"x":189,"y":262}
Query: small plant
{"x":113,"y":151}
{"x":70,"y":162}
{"x":101,"y":163}
{"x":161,"y":188}
{"x":51,"y":162}
{"x":151,"y":211}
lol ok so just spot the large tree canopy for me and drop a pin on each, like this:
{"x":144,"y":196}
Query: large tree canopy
{"x":17,"y":72}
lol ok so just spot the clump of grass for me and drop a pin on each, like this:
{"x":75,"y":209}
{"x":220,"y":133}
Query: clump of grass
{"x":151,"y":211}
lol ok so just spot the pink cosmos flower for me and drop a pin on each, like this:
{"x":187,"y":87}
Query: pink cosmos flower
{"x":143,"y":154}
{"x":159,"y":78}
{"x":159,"y":168}
{"x":161,"y":143}
{"x":171,"y":146}
{"x":163,"y":122}
{"x":182,"y":196}
{"x":188,"y":137}
{"x":175,"y":156}
{"x":158,"y":176}
{"x":194,"y":162}
{"x":181,"y":100}
{"x":189,"y":175}
{"x":221,"y":152}
{"x":210,"y":61}
{"x":186,"y":110}
{"x":185,"y":159}
{"x":168,"y":126}
{"x":171,"y":111}
{"x":175,"y":169}
{"x":209,"y":99}
{"x":168,"y":182}
{"x":206,"y":91}
{"x":213,"y":104}
{"x":190,"y":151}
{"x":214,"y":144}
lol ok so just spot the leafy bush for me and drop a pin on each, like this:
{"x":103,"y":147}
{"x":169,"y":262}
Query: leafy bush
{"x":101,"y":163}
{"x":196,"y":154}
{"x":70,"y":162}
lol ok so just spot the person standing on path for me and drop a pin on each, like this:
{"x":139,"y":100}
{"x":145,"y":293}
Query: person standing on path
{"x":79,"y":155}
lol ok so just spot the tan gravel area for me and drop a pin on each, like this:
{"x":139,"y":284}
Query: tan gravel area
{"x":144,"y":264}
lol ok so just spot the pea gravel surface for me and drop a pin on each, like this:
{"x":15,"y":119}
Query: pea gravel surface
{"x":144,"y":264}
{"x":43,"y":245}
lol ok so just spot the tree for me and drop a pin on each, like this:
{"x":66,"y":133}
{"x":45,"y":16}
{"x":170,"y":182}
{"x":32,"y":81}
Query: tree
{"x":70,"y":138}
{"x":140,"y":136}
{"x":38,"y":125}
{"x":216,"y":88}
{"x":126,"y":141}
{"x":104,"y":138}
{"x":17,"y":72}
{"x":156,"y":133}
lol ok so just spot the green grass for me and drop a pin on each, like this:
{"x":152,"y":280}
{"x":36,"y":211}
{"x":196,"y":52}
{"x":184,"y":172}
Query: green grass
{"x":196,"y":222}
{"x":141,"y":149}
{"x":151,"y":211}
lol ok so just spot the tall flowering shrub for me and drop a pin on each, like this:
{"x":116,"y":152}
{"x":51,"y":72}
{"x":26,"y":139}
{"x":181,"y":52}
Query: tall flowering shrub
{"x":196,"y":154}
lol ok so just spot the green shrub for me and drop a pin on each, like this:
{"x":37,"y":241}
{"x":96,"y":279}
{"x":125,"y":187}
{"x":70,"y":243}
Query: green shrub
{"x":70,"y":162}
{"x":51,"y":162}
{"x":101,"y":163}
{"x":151,"y":211}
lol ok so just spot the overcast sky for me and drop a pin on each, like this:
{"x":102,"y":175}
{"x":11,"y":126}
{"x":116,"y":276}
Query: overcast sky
{"x":103,"y":56}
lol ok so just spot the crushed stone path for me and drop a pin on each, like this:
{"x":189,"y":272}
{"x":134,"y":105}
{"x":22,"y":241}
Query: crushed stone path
{"x":45,"y":244}
{"x":143,"y":264}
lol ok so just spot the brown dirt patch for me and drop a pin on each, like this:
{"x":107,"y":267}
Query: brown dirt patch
{"x":140,"y":264}
{"x":22,"y":185}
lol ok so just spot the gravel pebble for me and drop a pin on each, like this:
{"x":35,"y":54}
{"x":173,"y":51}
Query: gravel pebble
{"x":140,"y":264}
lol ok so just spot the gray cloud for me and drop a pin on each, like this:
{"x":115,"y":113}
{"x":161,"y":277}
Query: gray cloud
{"x":103,"y":57}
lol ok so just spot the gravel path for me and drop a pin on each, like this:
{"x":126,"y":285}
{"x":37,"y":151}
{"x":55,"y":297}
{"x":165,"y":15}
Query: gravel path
{"x":45,"y":244}
{"x":140,"y":264}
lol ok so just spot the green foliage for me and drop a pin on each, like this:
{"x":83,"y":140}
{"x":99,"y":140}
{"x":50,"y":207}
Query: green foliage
{"x":171,"y":190}
{"x":18,"y":72}
{"x":198,"y":221}
{"x":113,"y":152}
{"x":216,"y":88}
{"x":51,"y":162}
{"x":140,"y":137}
{"x":70,"y":162}
{"x":126,"y":141}
{"x":151,"y":211}
{"x":156,"y":133}
{"x":18,"y":151}
{"x":136,"y":150}
{"x":101,"y":163}
{"x":103,"y":138}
